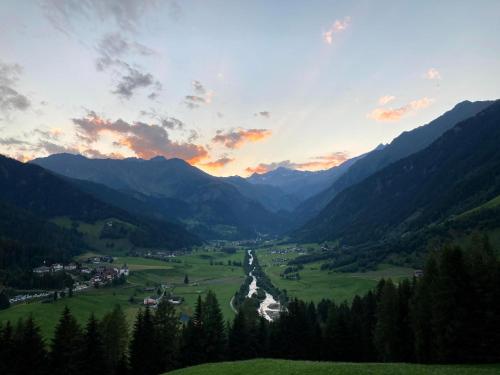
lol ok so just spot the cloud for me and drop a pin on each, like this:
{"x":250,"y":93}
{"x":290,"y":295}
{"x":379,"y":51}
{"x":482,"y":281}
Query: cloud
{"x":383,"y":100}
{"x":315,"y":163}
{"x":432,"y":74}
{"x":11,"y":141}
{"x":125,"y":14}
{"x":236,"y":138}
{"x":113,"y":48}
{"x":395,"y":114}
{"x":168,"y":122}
{"x":145,"y":140}
{"x":265,"y":114}
{"x":134,"y":80}
{"x":199,"y":88}
{"x":202,"y":96}
{"x":10,"y":98}
{"x":337,"y":27}
{"x":217,"y":164}
{"x":268,"y":167}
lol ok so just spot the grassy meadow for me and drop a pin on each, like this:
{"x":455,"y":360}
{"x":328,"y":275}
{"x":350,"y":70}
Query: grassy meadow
{"x":224,"y":280}
{"x":282,"y":367}
{"x":315,"y":284}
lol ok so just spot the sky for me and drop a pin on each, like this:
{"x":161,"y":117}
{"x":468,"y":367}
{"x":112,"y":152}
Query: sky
{"x":236,"y":87}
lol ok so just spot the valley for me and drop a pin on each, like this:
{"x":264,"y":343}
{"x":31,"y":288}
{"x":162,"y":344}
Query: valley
{"x":207,"y":268}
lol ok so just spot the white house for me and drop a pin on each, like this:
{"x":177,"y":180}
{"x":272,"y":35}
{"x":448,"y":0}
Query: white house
{"x":57,"y":267}
{"x":42,"y":269}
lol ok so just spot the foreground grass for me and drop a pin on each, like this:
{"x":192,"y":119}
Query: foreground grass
{"x":282,"y":367}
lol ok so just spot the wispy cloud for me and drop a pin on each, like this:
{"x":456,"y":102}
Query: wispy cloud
{"x":10,"y":98}
{"x":337,"y":27}
{"x":145,"y":140}
{"x":432,"y":74}
{"x":265,"y":114}
{"x":125,"y":14}
{"x":395,"y":114}
{"x":315,"y":163}
{"x":217,"y":164}
{"x":383,"y":100}
{"x":202,"y":96}
{"x":236,"y":138}
{"x":113,"y":49}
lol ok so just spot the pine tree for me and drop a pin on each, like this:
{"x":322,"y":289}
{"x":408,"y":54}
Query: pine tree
{"x":29,"y":348}
{"x":194,"y":337}
{"x":143,"y":353}
{"x":166,"y":323}
{"x":93,"y":356}
{"x":65,"y":356}
{"x":450,"y":303}
{"x":482,"y":332}
{"x":421,"y":312}
{"x":186,"y":279}
{"x":7,"y":355}
{"x":115,"y":336}
{"x":386,"y":333}
{"x":213,"y":325}
{"x":238,"y":339}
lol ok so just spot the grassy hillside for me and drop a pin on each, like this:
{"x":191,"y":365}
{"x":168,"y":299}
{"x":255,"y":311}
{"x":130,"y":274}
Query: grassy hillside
{"x":281,"y":367}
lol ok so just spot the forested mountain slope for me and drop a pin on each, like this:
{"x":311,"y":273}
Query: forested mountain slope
{"x":459,"y":171}
{"x":404,"y":145}
{"x":208,"y":205}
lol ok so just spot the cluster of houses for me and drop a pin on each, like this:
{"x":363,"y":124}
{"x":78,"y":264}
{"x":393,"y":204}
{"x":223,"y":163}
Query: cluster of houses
{"x":154,"y":301}
{"x":168,"y":256}
{"x":97,"y":273}
{"x":56,"y":267}
{"x":104,"y":275}
{"x":27,"y":297}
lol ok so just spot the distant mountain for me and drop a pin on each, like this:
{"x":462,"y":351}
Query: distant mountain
{"x":210,"y":206}
{"x":302,"y":184}
{"x":457,"y":173}
{"x":271,"y":197}
{"x":404,"y":145}
{"x":40,"y":196}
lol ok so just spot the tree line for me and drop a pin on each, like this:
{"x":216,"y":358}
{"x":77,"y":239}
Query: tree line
{"x":451,"y":314}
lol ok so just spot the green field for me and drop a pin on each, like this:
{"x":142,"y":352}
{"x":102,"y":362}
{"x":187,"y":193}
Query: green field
{"x":315,"y":284}
{"x":224,"y":280}
{"x":282,"y":367}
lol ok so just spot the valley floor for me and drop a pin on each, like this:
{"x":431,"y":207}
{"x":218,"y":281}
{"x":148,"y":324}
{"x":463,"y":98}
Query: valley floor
{"x":208,"y":269}
{"x":283,"y":367}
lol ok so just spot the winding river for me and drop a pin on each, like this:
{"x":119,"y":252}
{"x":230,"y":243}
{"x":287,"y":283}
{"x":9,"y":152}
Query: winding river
{"x":269,"y":307}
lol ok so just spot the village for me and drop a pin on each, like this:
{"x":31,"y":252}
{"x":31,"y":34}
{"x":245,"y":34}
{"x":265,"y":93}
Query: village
{"x":96,"y":272}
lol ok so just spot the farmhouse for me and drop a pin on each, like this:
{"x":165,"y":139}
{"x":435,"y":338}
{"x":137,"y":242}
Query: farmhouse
{"x":41,"y":270}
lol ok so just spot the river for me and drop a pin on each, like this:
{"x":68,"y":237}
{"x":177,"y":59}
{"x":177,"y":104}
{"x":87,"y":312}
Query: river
{"x":269,"y":308}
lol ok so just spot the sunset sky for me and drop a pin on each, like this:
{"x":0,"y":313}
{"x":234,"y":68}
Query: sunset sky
{"x":236,"y":86}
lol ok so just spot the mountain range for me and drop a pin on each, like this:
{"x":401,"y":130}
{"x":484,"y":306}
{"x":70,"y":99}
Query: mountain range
{"x":436,"y":178}
{"x":33,"y":200}
{"x":457,"y":173}
{"x":210,"y":206}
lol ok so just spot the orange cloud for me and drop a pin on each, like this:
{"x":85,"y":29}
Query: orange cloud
{"x":145,"y":140}
{"x":383,"y":100}
{"x":337,"y":27}
{"x":238,"y":137}
{"x":217,"y":164}
{"x":316,"y":163}
{"x":395,"y":114}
